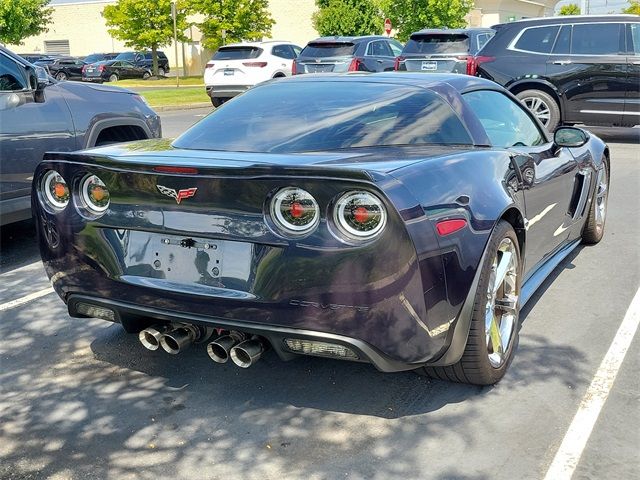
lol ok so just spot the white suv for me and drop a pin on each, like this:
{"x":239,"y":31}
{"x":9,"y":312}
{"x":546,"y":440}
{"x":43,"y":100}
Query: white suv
{"x":238,"y":67}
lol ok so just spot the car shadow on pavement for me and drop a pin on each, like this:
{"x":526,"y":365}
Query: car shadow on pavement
{"x":18,"y":245}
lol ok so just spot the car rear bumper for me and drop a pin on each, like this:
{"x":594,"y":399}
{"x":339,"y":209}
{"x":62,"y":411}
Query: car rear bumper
{"x":226,"y":91}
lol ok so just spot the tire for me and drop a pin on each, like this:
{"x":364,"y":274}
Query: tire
{"x":113,"y":77}
{"x":146,"y":75}
{"x":217,"y":101}
{"x":543,"y":106}
{"x":61,"y":76}
{"x":480,"y":363}
{"x":161,"y":72}
{"x":594,"y":225}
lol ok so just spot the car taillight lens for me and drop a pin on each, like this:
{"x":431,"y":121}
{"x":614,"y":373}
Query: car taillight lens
{"x":254,"y":64}
{"x":354,"y":66}
{"x":54,"y":190}
{"x":101,"y":68}
{"x":95,"y":194}
{"x":209,"y":65}
{"x":84,"y":68}
{"x":399,"y":64}
{"x":474,"y":62}
{"x":294,"y":210}
{"x":294,"y":68}
{"x":359,"y":215}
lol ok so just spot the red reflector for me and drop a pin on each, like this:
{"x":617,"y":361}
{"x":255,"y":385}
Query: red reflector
{"x":354,"y":66}
{"x":296,"y":210}
{"x":294,"y":68}
{"x":255,"y":64}
{"x":446,"y":227}
{"x":361,"y":215}
{"x":187,"y":170}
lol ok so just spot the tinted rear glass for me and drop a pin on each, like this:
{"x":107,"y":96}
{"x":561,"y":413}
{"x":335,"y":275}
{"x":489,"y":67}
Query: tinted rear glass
{"x":94,"y":58}
{"x":287,"y":117}
{"x":538,"y":39}
{"x":326,"y":49}
{"x":596,"y":39}
{"x":437,"y":43}
{"x":237,"y":53}
{"x":128,"y":56}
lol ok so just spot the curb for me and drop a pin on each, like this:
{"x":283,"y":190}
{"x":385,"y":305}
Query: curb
{"x":189,"y":106}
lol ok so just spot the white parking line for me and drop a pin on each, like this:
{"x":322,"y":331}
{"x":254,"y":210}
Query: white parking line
{"x":575,"y":440}
{"x":25,"y":299}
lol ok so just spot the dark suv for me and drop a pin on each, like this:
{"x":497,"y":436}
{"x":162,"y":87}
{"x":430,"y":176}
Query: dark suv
{"x":373,"y":53}
{"x":63,"y":68}
{"x":577,"y":69}
{"x":440,"y":51}
{"x":39,"y":114}
{"x":145,"y":60}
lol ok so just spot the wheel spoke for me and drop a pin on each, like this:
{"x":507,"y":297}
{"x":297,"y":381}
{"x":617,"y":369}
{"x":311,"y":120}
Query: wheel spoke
{"x":496,"y":337}
{"x":501,"y":270}
{"x":508,"y":304}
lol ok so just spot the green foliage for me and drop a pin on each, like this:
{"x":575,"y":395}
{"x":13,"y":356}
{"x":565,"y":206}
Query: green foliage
{"x":570,"y":9}
{"x":408,"y":16}
{"x":633,"y":9}
{"x":348,"y":17}
{"x":240,"y":19}
{"x":20,"y":19}
{"x":145,"y":24}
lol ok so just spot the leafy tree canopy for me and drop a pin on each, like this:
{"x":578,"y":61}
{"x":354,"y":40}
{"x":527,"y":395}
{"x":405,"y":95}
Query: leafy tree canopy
{"x":408,"y":16}
{"x":348,"y":17}
{"x":634,"y":8}
{"x":570,"y":9}
{"x":240,"y":19}
{"x":20,"y":19}
{"x":145,"y":24}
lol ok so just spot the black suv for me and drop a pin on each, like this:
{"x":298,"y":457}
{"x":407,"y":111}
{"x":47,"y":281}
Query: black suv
{"x":373,"y":53}
{"x":145,"y":60}
{"x":63,"y":68}
{"x":439,"y":51}
{"x":39,"y":114}
{"x":575,"y":69}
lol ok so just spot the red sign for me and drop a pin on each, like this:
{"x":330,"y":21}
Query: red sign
{"x":387,"y":26}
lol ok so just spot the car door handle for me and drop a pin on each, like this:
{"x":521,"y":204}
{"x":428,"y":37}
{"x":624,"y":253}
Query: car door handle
{"x":562,"y":62}
{"x":379,"y":61}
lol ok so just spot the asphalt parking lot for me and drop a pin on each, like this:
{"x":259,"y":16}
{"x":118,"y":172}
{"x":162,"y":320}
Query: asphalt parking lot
{"x":82,"y":399}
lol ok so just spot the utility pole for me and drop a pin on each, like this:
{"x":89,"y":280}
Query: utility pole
{"x":174,"y":14}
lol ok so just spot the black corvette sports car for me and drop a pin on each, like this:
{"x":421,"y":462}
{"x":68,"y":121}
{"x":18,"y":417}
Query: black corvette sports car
{"x":396,"y":219}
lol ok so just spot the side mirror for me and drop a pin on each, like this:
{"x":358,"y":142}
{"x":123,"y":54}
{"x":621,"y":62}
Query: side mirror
{"x":570,"y":137}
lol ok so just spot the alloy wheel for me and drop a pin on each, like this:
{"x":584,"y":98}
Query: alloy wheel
{"x":601,"y":197}
{"x":501,"y":310}
{"x":539,"y":108}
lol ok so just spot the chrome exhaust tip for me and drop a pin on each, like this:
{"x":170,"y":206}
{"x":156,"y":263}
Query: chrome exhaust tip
{"x":219,"y":349}
{"x":247,"y":353}
{"x":150,"y":337}
{"x":178,"y":339}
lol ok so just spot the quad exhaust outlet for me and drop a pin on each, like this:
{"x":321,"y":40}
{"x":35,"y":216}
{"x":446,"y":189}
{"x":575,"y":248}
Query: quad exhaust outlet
{"x":248,"y":352}
{"x":173,"y":338}
{"x":219,"y":350}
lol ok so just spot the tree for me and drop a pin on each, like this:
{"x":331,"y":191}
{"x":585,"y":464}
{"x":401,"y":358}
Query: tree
{"x":409,"y":16}
{"x":570,"y":9}
{"x":634,"y":8}
{"x":239,"y":19}
{"x":20,"y":19}
{"x":143,"y":24}
{"x":347,"y":17}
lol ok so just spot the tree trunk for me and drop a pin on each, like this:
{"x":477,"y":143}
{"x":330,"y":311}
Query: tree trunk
{"x":154,"y":59}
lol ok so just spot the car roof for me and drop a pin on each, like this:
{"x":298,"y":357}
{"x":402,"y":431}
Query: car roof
{"x":343,"y":39}
{"x":569,"y":19}
{"x":453,"y":31}
{"x":256,"y":44}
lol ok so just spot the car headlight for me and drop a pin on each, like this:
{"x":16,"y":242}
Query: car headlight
{"x":295,"y":210}
{"x":359,"y":215}
{"x":54,"y":190}
{"x":95,"y":194}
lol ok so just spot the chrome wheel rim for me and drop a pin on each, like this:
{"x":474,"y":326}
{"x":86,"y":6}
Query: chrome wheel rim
{"x":539,"y":108}
{"x":601,"y":197}
{"x":501,"y":310}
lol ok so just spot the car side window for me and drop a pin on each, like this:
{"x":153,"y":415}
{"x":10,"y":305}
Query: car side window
{"x":296,"y":50}
{"x":506,"y":122}
{"x":633,"y":41}
{"x":396,"y":48}
{"x":282,"y":51}
{"x":563,"y":42}
{"x":11,"y":75}
{"x":483,"y":38}
{"x":596,"y":39}
{"x":537,"y":39}
{"x":379,"y":48}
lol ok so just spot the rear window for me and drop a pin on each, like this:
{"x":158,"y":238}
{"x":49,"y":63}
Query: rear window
{"x":326,"y":49}
{"x":94,"y":58}
{"x":127,"y":56}
{"x":287,"y":117}
{"x":237,"y":53}
{"x":437,"y":43}
{"x":537,"y":39}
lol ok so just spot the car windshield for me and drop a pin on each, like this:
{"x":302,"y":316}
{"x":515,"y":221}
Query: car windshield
{"x":237,"y":53}
{"x":289,"y":117}
{"x":437,"y":43}
{"x":326,"y":49}
{"x":127,"y":56}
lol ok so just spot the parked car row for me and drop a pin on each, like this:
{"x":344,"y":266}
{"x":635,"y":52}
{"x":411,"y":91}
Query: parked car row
{"x":566,"y":70}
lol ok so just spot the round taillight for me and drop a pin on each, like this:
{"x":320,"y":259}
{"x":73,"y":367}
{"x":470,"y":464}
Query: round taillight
{"x":295,"y":210}
{"x":95,"y":194}
{"x":359,"y":215}
{"x":55,"y":191}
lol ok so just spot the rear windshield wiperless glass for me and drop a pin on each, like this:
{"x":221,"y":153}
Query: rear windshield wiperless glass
{"x":237,"y":53}
{"x":437,"y":43}
{"x":326,"y":49}
{"x":289,"y":117}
